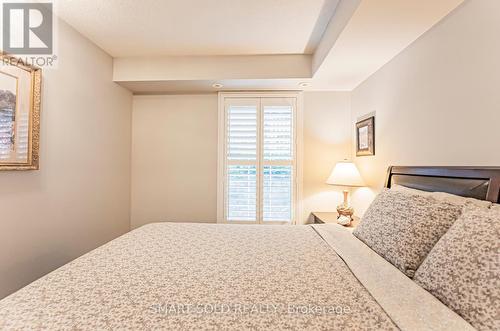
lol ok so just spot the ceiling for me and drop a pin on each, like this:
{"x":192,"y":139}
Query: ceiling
{"x":172,"y":46}
{"x":206,"y":86}
{"x":126,"y":28}
{"x":377,"y":32}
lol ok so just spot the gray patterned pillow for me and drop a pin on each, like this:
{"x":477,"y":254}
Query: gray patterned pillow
{"x":403,"y":227}
{"x":463,"y":269}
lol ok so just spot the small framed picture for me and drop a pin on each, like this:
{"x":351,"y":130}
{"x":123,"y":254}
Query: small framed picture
{"x":365,"y":137}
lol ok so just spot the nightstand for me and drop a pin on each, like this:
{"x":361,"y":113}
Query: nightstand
{"x":331,"y":217}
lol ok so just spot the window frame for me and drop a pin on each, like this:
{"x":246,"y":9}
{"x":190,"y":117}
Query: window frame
{"x":297,"y":211}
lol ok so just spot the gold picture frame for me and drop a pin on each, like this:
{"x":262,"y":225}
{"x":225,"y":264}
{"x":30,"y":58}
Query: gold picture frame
{"x":20,"y":114}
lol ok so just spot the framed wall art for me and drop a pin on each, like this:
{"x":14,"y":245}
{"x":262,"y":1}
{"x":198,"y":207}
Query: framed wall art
{"x":20,"y":96}
{"x":365,"y":137}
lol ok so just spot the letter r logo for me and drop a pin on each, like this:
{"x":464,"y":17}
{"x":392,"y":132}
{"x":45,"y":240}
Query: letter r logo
{"x":27,"y":28}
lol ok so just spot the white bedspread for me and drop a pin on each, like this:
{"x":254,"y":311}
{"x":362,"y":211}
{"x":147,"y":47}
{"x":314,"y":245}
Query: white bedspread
{"x":219,"y":277}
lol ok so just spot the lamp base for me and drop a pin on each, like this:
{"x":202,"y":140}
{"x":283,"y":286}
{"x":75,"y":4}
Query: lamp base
{"x":345,"y":215}
{"x":344,"y":209}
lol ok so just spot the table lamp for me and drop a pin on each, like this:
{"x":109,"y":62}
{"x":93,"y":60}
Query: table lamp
{"x":347,"y":175}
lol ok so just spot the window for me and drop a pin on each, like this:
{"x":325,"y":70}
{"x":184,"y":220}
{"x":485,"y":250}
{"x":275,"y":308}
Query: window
{"x":258,"y":168}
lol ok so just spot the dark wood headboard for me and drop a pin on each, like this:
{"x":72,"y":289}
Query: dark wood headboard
{"x":475,"y":182}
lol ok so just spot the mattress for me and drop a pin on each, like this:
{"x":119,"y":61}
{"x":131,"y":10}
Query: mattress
{"x":231,"y":277}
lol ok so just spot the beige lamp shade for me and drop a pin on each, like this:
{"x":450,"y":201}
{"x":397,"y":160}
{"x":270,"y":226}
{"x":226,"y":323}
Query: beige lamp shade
{"x":345,"y":174}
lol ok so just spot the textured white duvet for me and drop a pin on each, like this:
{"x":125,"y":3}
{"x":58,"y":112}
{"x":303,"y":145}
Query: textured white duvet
{"x":206,"y":276}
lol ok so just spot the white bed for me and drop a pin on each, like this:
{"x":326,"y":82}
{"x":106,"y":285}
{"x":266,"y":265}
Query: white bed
{"x":233,"y":277}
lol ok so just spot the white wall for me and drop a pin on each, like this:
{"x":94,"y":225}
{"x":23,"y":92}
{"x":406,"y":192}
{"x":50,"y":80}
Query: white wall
{"x":174,"y":159}
{"x":438,"y":102}
{"x":174,"y":155}
{"x":79,"y":199}
{"x":327,"y":141}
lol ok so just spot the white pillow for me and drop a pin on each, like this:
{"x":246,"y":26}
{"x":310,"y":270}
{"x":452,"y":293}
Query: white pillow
{"x":442,"y":196}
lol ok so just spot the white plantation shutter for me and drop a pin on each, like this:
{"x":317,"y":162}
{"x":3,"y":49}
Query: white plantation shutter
{"x":278,"y":130}
{"x":242,"y":193}
{"x":259,"y":165}
{"x":241,"y":133}
{"x":278,"y":193}
{"x":278,"y":156}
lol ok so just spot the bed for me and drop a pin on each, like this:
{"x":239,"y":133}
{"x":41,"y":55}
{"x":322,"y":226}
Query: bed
{"x":238,"y":277}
